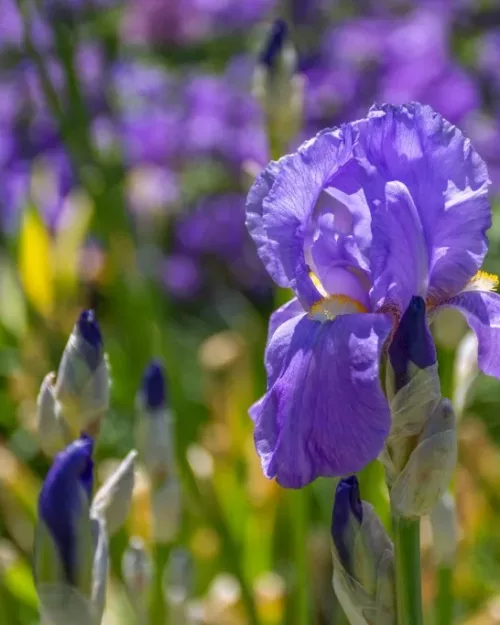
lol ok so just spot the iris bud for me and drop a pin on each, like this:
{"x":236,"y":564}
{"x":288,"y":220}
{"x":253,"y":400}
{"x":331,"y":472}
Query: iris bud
{"x":155,"y":432}
{"x":82,"y":386}
{"x":178,"y":583}
{"x":137,"y":571}
{"x":421,"y":450}
{"x":412,"y":347}
{"x":278,"y":87}
{"x":363,"y":577}
{"x":113,"y":499}
{"x":155,"y":442}
{"x":53,"y":431}
{"x":64,"y":538}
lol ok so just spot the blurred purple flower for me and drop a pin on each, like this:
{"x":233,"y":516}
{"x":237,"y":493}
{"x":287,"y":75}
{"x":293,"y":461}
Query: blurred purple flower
{"x":222,"y":120}
{"x":173,"y":21}
{"x":357,"y":222}
{"x":181,"y":275}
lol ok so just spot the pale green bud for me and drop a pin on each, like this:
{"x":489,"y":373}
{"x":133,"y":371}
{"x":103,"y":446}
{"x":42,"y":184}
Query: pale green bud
{"x":421,"y":450}
{"x":82,"y":386}
{"x":112,"y":501}
{"x":53,"y":431}
{"x":363,"y":559}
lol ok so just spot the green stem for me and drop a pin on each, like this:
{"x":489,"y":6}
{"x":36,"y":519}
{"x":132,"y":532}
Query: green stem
{"x":158,"y":610}
{"x":298,"y":506}
{"x":444,"y":596}
{"x":408,"y":574}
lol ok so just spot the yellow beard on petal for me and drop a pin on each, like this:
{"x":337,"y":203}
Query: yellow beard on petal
{"x":482,"y":281}
{"x":327,"y":308}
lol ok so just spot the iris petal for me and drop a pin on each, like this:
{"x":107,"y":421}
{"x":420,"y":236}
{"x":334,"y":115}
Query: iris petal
{"x":325,"y":413}
{"x":482,"y":311}
{"x":447,"y":181}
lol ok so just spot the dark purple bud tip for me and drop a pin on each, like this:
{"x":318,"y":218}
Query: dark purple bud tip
{"x":89,"y":328}
{"x":153,"y":385}
{"x":274,"y":43}
{"x":347,"y":508}
{"x":412,"y":342}
{"x":62,"y":500}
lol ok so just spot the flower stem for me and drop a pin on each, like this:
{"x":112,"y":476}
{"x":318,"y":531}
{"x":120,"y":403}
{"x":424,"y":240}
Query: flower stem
{"x":444,"y":596}
{"x":408,"y":575}
{"x":159,"y":612}
{"x":298,"y":507}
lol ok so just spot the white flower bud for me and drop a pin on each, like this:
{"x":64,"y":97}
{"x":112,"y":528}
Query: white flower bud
{"x":82,"y":386}
{"x":137,"y":568}
{"x":113,"y":499}
{"x":137,"y":571}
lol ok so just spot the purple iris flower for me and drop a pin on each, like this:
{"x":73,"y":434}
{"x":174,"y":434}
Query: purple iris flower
{"x":65,"y":497}
{"x":357,"y":222}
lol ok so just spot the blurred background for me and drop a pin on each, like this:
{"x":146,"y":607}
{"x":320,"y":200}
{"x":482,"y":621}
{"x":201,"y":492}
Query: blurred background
{"x":130,"y":133}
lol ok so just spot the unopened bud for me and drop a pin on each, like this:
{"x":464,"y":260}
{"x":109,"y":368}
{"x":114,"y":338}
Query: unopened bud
{"x":412,"y":347}
{"x":137,"y":571}
{"x":113,"y":499}
{"x":82,"y":386}
{"x":71,"y":551}
{"x":178,"y":585}
{"x":279,"y":88}
{"x":363,"y":577}
{"x":53,"y":431}
{"x":155,"y":431}
{"x":444,"y":524}
{"x":421,"y":450}
{"x":432,"y":457}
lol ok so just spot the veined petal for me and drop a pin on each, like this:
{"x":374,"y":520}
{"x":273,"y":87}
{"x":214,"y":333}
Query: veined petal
{"x":399,"y":253}
{"x":482,"y":311}
{"x":282,"y":201}
{"x":447,"y":180}
{"x":325,"y":413}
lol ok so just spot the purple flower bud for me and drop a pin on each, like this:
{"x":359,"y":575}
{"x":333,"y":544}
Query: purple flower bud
{"x":274,"y":44}
{"x":412,"y":343}
{"x":64,"y":499}
{"x":153,"y":386}
{"x":91,"y":333}
{"x":346,"y":508}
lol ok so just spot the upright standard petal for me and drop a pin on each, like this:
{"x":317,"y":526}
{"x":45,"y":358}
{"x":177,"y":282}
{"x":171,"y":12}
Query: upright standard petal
{"x":446,"y":179}
{"x":399,"y":260}
{"x":482,"y":311}
{"x":282,"y":200}
{"x":325,"y":413}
